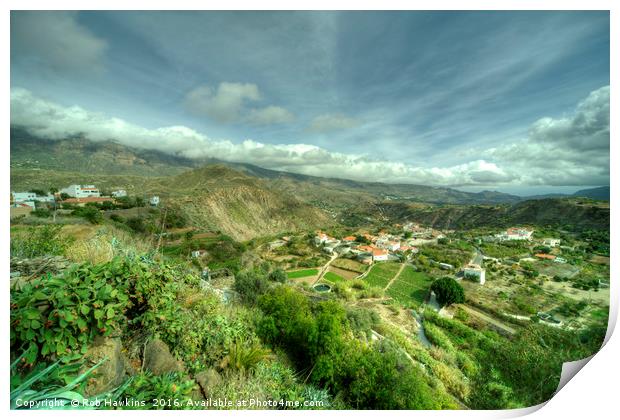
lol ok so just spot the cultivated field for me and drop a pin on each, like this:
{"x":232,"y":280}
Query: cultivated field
{"x":381,"y":274}
{"x":410,"y":287}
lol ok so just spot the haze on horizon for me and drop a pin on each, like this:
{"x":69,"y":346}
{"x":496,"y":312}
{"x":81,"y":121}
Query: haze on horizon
{"x":510,"y":101}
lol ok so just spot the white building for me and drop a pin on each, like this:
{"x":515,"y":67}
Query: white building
{"x":81,"y":191}
{"x":446,"y":266}
{"x":552,"y":242}
{"x":20,"y":197}
{"x":154,"y":201}
{"x":475,"y":271}
{"x":516,"y":234}
{"x":119,"y":193}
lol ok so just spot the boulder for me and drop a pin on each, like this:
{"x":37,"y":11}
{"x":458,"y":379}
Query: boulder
{"x":158,"y":359}
{"x":111,"y":373}
{"x":208,"y":380}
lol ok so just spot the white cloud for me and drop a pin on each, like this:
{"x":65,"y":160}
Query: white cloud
{"x":270,"y":115}
{"x":223,"y":104}
{"x":572,"y":150}
{"x":537,"y":161}
{"x":331,"y":122}
{"x":56,"y":40}
{"x":231,"y":103}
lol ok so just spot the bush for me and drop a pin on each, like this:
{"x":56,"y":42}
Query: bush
{"x":41,"y":213}
{"x":39,"y":241}
{"x":169,"y":387}
{"x":250,"y":286}
{"x":117,"y":218}
{"x":136,"y":224}
{"x":62,"y":315}
{"x":278,"y":275}
{"x":448,"y":291}
{"x":90,"y":213}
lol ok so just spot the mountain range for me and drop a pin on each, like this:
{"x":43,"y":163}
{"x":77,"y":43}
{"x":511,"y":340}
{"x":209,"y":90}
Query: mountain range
{"x":245,"y":200}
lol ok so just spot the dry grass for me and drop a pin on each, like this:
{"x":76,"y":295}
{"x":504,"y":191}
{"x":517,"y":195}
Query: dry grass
{"x":102,"y":244}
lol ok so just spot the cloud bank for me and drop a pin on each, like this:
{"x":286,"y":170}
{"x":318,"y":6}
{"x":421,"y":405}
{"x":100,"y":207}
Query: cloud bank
{"x":573,"y":150}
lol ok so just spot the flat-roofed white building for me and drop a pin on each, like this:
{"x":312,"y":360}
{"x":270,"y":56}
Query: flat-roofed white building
{"x":474,"y":270}
{"x":81,"y":191}
{"x":119,"y":193}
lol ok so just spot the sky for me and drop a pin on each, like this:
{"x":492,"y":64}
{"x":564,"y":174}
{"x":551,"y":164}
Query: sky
{"x":510,"y":101}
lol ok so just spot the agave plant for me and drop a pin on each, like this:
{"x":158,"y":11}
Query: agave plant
{"x":52,"y":396}
{"x":244,"y":357}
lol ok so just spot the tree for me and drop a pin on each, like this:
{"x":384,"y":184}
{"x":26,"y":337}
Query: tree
{"x":250,"y":286}
{"x":64,"y":196}
{"x":448,"y":291}
{"x":278,"y":275}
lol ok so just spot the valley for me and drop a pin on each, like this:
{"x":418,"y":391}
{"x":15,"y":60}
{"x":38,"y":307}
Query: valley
{"x":256,"y":261}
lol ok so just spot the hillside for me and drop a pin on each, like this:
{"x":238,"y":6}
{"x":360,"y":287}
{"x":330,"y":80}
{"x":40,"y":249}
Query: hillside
{"x":82,"y":156}
{"x":600,"y":193}
{"x":241,"y":206}
{"x":564,"y":212}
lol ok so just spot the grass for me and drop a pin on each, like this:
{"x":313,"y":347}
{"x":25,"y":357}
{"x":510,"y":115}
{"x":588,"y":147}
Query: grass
{"x":350,"y":265}
{"x":333,"y":277}
{"x":410,"y":287}
{"x":302,"y":273}
{"x":381,"y":274}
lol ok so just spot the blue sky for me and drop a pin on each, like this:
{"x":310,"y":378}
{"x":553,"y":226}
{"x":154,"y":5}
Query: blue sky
{"x":513,"y":101}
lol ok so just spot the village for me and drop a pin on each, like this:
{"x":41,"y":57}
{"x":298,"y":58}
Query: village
{"x":25,"y":202}
{"x":509,"y":276}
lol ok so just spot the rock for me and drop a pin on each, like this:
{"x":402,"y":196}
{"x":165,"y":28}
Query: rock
{"x":158,"y":359}
{"x":111,"y":373}
{"x":208,"y":380}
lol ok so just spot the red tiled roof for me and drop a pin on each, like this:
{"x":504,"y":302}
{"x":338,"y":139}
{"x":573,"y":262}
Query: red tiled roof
{"x":546,"y":256}
{"x":376,"y":252}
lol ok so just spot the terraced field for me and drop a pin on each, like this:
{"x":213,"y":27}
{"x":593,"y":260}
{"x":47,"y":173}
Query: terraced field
{"x":410,"y":287}
{"x":302,"y":273}
{"x":333,"y":277}
{"x":381,"y":274}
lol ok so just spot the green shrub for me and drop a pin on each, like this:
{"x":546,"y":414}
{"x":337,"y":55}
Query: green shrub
{"x":62,"y":315}
{"x":90,"y":213}
{"x":43,"y":213}
{"x":278,"y":275}
{"x":448,"y":291}
{"x":250,"y":286}
{"x":170,"y":391}
{"x":39,"y":241}
{"x":117,"y":218}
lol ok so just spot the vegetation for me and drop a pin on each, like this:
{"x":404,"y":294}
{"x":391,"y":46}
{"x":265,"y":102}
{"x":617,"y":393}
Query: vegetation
{"x":381,"y":273}
{"x":39,"y":241}
{"x":302,"y":273}
{"x":248,"y":332}
{"x":410,"y":287}
{"x":448,"y":291}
